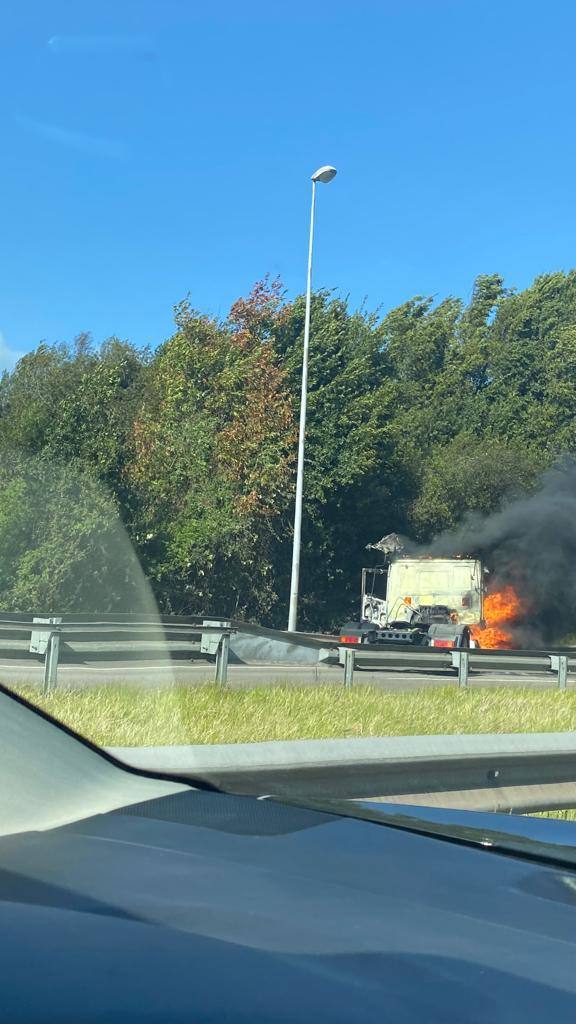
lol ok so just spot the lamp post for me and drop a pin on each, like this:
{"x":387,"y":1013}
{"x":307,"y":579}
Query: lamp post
{"x":323,"y":175}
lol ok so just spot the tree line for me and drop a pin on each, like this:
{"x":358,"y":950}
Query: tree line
{"x":415,"y":418}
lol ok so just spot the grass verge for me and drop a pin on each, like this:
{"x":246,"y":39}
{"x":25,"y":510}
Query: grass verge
{"x":128,"y":716}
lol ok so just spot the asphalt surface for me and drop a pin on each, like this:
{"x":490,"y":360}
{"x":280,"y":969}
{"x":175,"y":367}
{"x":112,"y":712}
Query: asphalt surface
{"x":247,"y":676}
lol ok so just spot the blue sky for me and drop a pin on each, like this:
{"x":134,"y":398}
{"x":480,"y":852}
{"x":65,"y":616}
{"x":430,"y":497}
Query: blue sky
{"x":158,"y":148}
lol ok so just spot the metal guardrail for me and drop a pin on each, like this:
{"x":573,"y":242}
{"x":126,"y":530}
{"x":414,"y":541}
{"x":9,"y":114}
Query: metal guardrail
{"x":515,"y":772}
{"x":126,"y":637}
{"x":462,"y":661}
{"x":97,"y":638}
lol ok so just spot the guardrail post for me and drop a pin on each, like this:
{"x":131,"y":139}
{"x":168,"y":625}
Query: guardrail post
{"x":559,"y":664}
{"x":349,"y":667}
{"x":461,"y":661}
{"x":222,"y":659}
{"x":51,"y":662}
{"x":210,"y":642}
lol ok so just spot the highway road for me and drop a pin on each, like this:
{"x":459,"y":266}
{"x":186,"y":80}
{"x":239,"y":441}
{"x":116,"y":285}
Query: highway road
{"x":17,"y":672}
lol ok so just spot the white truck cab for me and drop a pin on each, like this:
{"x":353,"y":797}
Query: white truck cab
{"x":394,"y":593}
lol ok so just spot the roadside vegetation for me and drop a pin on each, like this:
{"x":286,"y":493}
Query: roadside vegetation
{"x":416,"y":417}
{"x":127,"y":716}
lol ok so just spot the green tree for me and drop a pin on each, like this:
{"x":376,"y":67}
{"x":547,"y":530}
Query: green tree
{"x":522,"y":353}
{"x":213,"y":444}
{"x":467,"y":475}
{"x":354,"y":476}
{"x":75,"y":403}
{"x":62,"y":545}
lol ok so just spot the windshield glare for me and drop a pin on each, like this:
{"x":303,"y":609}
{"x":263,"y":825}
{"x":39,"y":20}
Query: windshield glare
{"x":287,"y":442}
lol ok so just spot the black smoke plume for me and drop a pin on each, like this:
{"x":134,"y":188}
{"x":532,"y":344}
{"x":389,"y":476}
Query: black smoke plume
{"x":531,"y":544}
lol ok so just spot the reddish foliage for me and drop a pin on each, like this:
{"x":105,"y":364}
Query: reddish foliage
{"x":251,"y":318}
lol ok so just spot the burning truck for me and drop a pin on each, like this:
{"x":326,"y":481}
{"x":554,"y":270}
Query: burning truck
{"x":431,"y":602}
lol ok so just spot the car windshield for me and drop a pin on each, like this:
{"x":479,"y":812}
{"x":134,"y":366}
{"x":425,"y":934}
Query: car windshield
{"x":287,"y":410}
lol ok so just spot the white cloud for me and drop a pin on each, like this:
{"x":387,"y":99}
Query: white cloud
{"x":8,"y":356}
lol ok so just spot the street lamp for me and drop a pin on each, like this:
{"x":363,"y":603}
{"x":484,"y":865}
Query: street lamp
{"x":323,"y":175}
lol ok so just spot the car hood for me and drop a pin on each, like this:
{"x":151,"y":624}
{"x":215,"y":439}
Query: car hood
{"x":200,"y":906}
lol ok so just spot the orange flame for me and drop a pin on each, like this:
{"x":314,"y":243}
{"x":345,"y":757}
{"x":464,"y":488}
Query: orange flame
{"x":500,"y":609}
